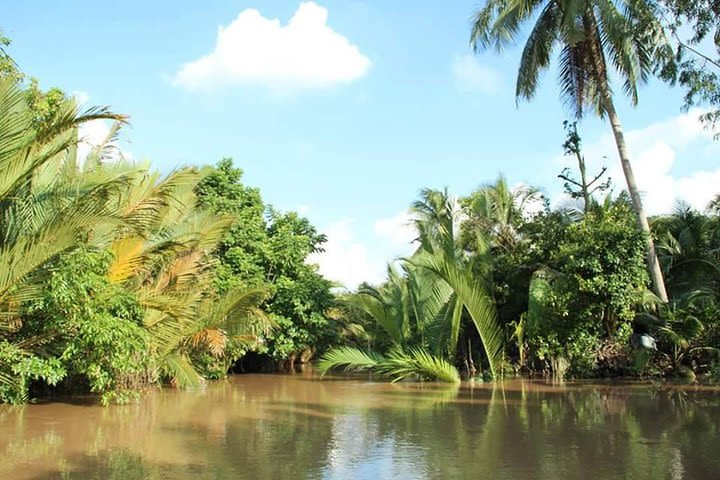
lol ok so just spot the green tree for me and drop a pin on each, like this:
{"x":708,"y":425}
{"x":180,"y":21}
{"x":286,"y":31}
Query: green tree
{"x":696,"y":63}
{"x":8,"y":67}
{"x":265,"y":246}
{"x":597,"y":41}
{"x":583,"y":301}
{"x":95,"y":326}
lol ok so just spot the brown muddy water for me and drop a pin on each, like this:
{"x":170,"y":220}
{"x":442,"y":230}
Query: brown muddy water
{"x":298,"y":427}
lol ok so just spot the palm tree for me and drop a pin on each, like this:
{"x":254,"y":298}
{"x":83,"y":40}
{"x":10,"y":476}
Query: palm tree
{"x":495,"y":211}
{"x":164,"y":256}
{"x":689,"y":247}
{"x":414,"y":310}
{"x":436,"y":220}
{"x":421,"y":311}
{"x":597,"y":39}
{"x":39,"y":217}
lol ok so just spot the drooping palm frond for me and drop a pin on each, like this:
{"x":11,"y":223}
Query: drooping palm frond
{"x":535,"y":57}
{"x":416,"y":362}
{"x":428,"y":295}
{"x":397,"y":365}
{"x":238,"y":312}
{"x":351,"y":359}
{"x":478,"y":303}
{"x":442,"y":331}
{"x":499,"y":22}
{"x":129,"y":257}
{"x":215,"y":339}
{"x":14,"y":383}
{"x":385,"y":315}
{"x":26,"y":146}
{"x":181,"y":372}
{"x":156,"y":202}
{"x":235,"y":316}
{"x":681,"y":331}
{"x":161,"y":305}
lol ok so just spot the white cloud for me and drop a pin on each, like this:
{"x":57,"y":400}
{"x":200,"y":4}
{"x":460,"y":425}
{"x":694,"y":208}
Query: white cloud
{"x":303,"y":209}
{"x":469,"y":75}
{"x":94,"y":133}
{"x":654,"y":151}
{"x":254,"y":50}
{"x":398,"y":230}
{"x":346,"y":259}
{"x":81,"y":97}
{"x":699,"y":188}
{"x":351,"y":259}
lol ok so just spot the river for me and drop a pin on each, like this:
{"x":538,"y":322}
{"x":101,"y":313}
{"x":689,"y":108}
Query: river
{"x":298,"y":427}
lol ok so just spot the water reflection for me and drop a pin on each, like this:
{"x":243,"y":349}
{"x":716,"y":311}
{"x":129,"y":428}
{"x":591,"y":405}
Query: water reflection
{"x":272,"y":426}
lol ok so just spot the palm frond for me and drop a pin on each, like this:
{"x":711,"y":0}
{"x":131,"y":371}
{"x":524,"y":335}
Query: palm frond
{"x":351,"y":359}
{"x":180,"y":371}
{"x":479,"y":305}
{"x":417,"y":362}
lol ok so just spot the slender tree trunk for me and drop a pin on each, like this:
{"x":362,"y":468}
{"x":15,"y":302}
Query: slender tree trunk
{"x":607,"y":102}
{"x":651,"y":256}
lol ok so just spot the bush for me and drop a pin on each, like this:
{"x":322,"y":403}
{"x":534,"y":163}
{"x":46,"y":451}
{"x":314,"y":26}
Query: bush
{"x":94,"y":330}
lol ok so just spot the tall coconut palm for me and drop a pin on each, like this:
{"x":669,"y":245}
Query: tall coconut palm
{"x":597,"y":40}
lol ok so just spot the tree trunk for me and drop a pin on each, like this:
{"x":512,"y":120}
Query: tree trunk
{"x":650,"y":254}
{"x":608,"y":105}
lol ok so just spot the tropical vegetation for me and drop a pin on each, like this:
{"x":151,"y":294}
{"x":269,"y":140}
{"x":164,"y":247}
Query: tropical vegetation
{"x":503,"y":284}
{"x":115,"y":277}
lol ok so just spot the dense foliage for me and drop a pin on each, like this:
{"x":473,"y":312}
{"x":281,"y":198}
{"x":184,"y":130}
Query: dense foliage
{"x":695,"y":60}
{"x":566,"y":288}
{"x":267,"y":247}
{"x":115,"y":277}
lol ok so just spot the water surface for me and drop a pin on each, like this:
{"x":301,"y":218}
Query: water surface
{"x":297,"y":427}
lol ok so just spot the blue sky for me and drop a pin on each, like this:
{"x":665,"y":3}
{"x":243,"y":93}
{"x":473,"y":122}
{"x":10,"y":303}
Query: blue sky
{"x":344,"y":114}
